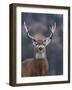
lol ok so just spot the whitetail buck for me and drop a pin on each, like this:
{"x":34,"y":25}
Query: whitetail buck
{"x":38,"y":65}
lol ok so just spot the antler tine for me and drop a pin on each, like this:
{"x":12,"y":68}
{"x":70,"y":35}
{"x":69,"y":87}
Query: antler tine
{"x":25,"y":27}
{"x":27,"y":31}
{"x":52,"y":30}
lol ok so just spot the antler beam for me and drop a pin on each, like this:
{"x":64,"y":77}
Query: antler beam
{"x":27,"y":31}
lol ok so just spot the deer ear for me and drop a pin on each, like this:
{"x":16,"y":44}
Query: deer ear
{"x":33,"y":41}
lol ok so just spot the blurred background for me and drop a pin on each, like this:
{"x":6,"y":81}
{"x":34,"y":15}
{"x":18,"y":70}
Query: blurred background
{"x":40,"y":23}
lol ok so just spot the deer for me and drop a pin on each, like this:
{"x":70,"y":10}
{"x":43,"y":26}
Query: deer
{"x":38,"y":65}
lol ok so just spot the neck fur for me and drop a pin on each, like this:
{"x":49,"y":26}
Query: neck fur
{"x":40,"y":55}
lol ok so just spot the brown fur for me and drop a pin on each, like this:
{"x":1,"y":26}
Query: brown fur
{"x":31,"y":67}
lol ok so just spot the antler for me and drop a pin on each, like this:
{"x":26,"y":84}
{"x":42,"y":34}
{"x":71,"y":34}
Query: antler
{"x":27,"y":31}
{"x":52,"y":30}
{"x":48,"y":39}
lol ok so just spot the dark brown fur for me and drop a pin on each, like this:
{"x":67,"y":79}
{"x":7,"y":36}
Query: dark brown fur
{"x":31,"y":67}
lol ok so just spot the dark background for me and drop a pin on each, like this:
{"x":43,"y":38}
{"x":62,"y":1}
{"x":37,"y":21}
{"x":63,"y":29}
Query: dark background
{"x":40,"y":23}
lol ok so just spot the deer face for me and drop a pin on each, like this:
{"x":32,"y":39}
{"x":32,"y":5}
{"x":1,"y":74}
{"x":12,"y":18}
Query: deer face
{"x":39,"y":42}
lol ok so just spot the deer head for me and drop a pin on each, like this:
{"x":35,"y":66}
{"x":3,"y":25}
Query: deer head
{"x":39,"y":40}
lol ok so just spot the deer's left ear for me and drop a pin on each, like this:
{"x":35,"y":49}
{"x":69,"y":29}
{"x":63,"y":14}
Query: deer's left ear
{"x":48,"y":40}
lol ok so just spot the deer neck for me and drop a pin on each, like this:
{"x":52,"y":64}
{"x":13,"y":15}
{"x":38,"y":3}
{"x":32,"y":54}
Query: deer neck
{"x":39,"y":55}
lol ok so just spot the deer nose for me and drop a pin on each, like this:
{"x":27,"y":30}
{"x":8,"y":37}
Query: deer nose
{"x":40,"y":48}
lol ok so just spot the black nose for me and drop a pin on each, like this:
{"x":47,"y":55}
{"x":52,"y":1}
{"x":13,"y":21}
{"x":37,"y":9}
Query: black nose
{"x":40,"y":48}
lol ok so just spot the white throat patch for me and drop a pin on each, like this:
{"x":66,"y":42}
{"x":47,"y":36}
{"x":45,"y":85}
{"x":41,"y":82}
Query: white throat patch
{"x":40,"y":56}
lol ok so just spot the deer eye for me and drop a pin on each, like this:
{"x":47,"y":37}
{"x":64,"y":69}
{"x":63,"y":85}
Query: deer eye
{"x":36,"y":44}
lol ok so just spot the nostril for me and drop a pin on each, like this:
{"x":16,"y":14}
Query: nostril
{"x":40,"y":48}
